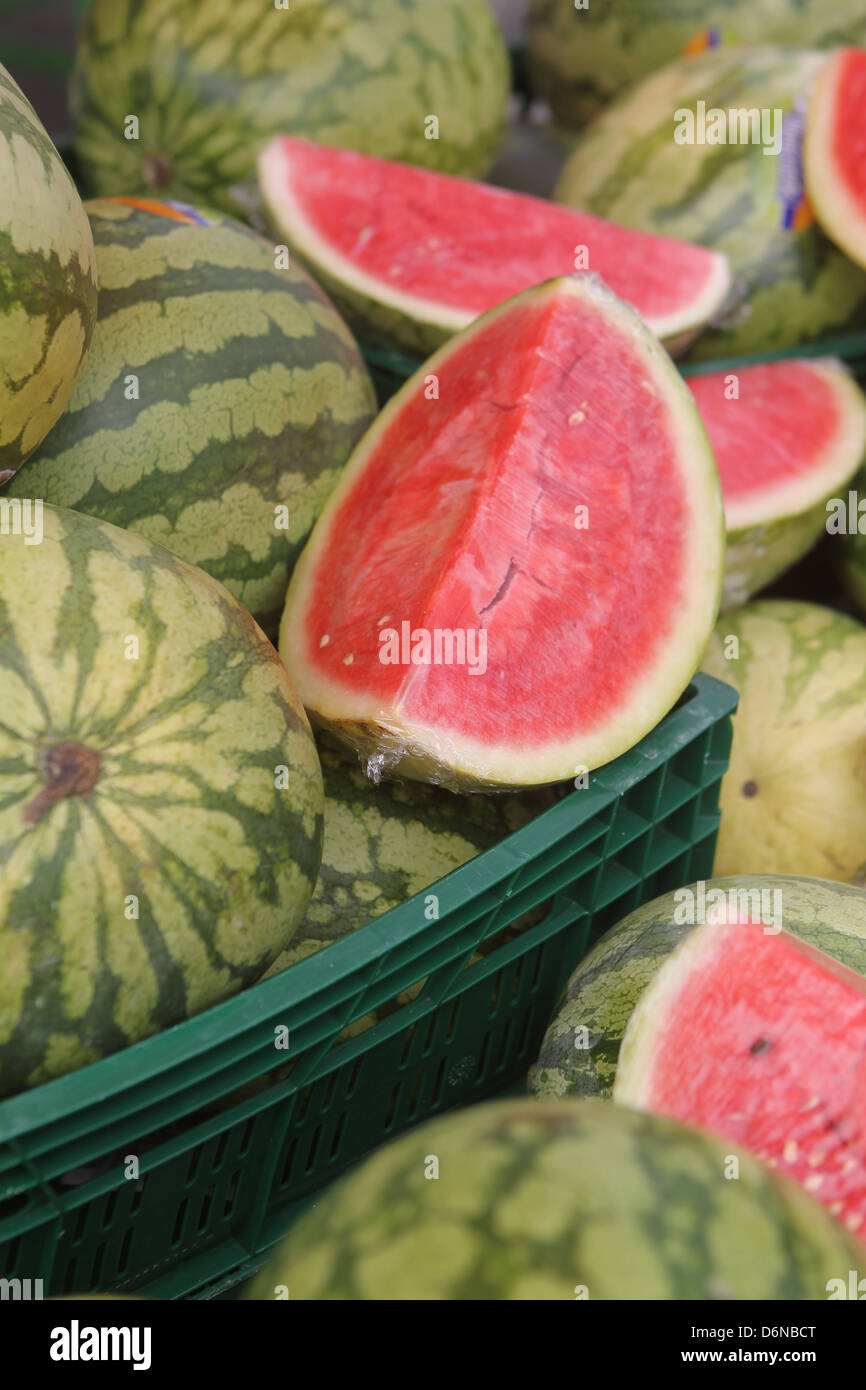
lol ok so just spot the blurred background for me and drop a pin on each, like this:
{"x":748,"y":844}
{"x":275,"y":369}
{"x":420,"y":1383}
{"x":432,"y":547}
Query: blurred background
{"x":36,"y":38}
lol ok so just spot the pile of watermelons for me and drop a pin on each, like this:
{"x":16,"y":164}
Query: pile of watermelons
{"x":481,"y":591}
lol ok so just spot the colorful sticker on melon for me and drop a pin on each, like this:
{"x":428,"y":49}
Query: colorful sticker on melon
{"x":754,"y":1035}
{"x":541,"y":500}
{"x":835,"y":151}
{"x":174,"y":211}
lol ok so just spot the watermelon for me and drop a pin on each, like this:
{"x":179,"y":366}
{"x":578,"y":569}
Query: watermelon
{"x":535,"y":532}
{"x":794,"y":797}
{"x":384,"y":844}
{"x":760,"y":1038}
{"x":524,"y":1200}
{"x":835,"y":150}
{"x":160,"y":795}
{"x":629,"y":166}
{"x":786,"y":437}
{"x":47,"y":280}
{"x":221,"y":397}
{"x":402,"y":79}
{"x":580,"y":1051}
{"x":411,"y":256}
{"x":580,"y":58}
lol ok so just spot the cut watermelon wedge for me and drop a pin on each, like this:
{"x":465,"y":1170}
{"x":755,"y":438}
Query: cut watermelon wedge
{"x":761,"y":1038}
{"x":834,"y":154}
{"x":412,"y":257}
{"x":787,"y":436}
{"x":541,"y":489}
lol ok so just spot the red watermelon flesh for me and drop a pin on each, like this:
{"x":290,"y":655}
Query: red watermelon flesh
{"x":460,"y":510}
{"x":835,"y":150}
{"x":442,"y":250}
{"x":785,"y":435}
{"x":761,"y":1038}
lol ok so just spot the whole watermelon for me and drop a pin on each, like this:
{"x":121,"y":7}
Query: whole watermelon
{"x":580,"y":58}
{"x":794,"y":797}
{"x":558,"y":1200}
{"x":404,"y":79}
{"x":47,"y":280}
{"x":160,"y":795}
{"x":221,"y":397}
{"x":580,"y":1050}
{"x":383,"y":844}
{"x":629,"y":166}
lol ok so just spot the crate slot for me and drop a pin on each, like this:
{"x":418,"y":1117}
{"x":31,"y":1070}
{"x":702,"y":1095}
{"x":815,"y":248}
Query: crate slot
{"x":311,"y":1155}
{"x":338,"y":1135}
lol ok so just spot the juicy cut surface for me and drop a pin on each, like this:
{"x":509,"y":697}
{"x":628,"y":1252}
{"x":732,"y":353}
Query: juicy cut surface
{"x":470,"y":246}
{"x":766,"y":1043}
{"x":785,"y":416}
{"x":467,"y":514}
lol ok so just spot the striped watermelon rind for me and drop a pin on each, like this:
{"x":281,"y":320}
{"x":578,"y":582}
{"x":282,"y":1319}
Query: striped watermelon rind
{"x":252,"y":393}
{"x":556,"y":1200}
{"x":47,"y":281}
{"x":628,"y":167}
{"x":604,"y":989}
{"x":793,"y":800}
{"x":161,"y":809}
{"x":383,"y":844}
{"x":582,"y":58}
{"x":842,"y":216}
{"x":212,"y":83}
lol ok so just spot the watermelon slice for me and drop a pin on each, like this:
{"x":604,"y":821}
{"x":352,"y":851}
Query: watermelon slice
{"x":761,"y":1038}
{"x":787,"y":436}
{"x":834,"y":155}
{"x":519,"y":569}
{"x":412,"y":257}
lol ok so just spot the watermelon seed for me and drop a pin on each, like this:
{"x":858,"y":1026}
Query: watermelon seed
{"x":749,"y":788}
{"x":760,"y":1045}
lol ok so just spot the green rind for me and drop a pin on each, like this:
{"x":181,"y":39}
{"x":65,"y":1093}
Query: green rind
{"x":252,"y":395}
{"x":383,"y":844}
{"x":212,"y":83}
{"x":47,"y":281}
{"x":581,"y":59}
{"x":756,"y":555}
{"x":794,"y":797}
{"x":549,"y":1201}
{"x":628,"y":167}
{"x":606,"y":986}
{"x":174,"y":880}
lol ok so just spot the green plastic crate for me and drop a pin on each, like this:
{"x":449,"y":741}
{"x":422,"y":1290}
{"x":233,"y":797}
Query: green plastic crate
{"x":216,"y":1190}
